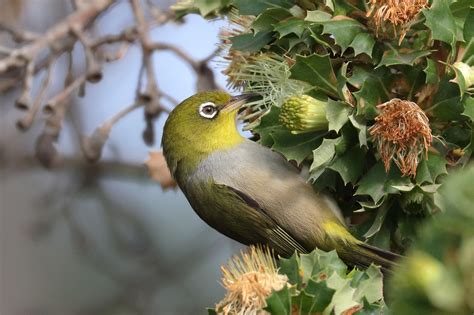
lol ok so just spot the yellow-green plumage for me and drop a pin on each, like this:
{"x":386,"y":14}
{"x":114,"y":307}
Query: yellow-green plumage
{"x":247,"y":191}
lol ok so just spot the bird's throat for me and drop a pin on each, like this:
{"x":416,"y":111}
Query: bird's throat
{"x":186,"y":151}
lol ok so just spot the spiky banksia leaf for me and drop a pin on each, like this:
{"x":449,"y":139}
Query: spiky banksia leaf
{"x":315,"y":283}
{"x":304,"y":114}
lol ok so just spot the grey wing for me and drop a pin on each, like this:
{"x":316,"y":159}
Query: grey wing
{"x":275,"y":185}
{"x":241,"y":218}
{"x":278,"y":235}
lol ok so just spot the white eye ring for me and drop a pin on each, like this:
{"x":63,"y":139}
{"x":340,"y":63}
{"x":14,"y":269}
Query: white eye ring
{"x":208,"y":110}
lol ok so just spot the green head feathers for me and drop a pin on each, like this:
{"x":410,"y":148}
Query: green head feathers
{"x":197,"y":127}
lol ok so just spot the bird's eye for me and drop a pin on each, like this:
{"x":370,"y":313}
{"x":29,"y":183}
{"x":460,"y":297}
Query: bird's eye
{"x":208,"y":110}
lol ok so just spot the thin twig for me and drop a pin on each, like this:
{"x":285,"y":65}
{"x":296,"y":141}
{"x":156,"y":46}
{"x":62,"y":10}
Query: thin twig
{"x":21,"y":56}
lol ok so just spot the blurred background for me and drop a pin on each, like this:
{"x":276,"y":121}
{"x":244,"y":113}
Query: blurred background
{"x":103,"y":238}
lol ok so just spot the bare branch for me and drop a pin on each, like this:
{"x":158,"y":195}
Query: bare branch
{"x":25,"y":122}
{"x":21,"y":56}
{"x":18,"y":35}
{"x":59,"y":100}
{"x":25,"y":99}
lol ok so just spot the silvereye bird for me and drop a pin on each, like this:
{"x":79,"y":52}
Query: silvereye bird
{"x":249,"y":192}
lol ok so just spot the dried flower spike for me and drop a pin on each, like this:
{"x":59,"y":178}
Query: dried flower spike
{"x":399,"y":14}
{"x":303,"y":114}
{"x":249,"y":280}
{"x":401,"y":133}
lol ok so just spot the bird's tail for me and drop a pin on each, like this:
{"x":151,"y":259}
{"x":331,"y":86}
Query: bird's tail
{"x":362,"y":255}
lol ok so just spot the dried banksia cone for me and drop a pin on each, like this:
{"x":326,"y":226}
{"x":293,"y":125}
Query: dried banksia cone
{"x":397,"y":15}
{"x":303,"y":114}
{"x":401,"y":133}
{"x":249,"y":280}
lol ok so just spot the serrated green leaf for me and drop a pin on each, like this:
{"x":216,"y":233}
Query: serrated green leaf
{"x":429,"y":170}
{"x":268,"y":18}
{"x":440,"y":21}
{"x":431,"y":72}
{"x":279,"y":302}
{"x":342,"y":299}
{"x":413,"y":201}
{"x":268,"y":123}
{"x":317,"y":71}
{"x":321,"y":296}
{"x":296,"y":147}
{"x":324,"y":154}
{"x":361,"y":126}
{"x":209,"y":6}
{"x":293,"y":146}
{"x":290,"y":26}
{"x":211,"y":311}
{"x":251,"y":42}
{"x":319,"y":265}
{"x":430,"y":188}
{"x":317,"y":16}
{"x":290,"y":268}
{"x":447,"y":104}
{"x":303,"y":304}
{"x":372,"y":309}
{"x":350,"y":165}
{"x":460,"y":10}
{"x":376,"y":183}
{"x":468,"y":34}
{"x":343,"y":29}
{"x":469,"y":108}
{"x":377,"y":223}
{"x":309,"y":265}
{"x":464,"y":76}
{"x":394,"y":56}
{"x":251,"y":7}
{"x":330,"y":261}
{"x":371,"y":288}
{"x":363,"y":43}
{"x":337,"y":114}
{"x":373,"y":89}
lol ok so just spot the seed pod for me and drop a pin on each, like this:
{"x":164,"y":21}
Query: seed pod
{"x":46,"y":151}
{"x":92,"y":145}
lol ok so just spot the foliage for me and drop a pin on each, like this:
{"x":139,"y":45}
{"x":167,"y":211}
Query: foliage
{"x":323,"y":284}
{"x":318,"y":283}
{"x":437,"y":275}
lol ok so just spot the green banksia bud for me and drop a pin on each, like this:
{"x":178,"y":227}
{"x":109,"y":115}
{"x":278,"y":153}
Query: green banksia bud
{"x":303,"y":114}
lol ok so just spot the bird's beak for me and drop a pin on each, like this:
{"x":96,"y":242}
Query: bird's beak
{"x":237,"y":101}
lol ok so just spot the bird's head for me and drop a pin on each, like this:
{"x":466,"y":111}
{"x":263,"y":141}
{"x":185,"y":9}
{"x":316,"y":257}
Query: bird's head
{"x":200,"y":125}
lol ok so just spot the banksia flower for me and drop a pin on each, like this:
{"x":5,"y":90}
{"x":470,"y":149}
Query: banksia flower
{"x":249,"y":281}
{"x":397,"y":14}
{"x":269,"y":75}
{"x":233,"y":59}
{"x":401,"y":133}
{"x":304,"y":114}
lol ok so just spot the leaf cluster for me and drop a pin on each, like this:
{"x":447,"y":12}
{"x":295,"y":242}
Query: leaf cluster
{"x":437,"y":275}
{"x":323,"y":284}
